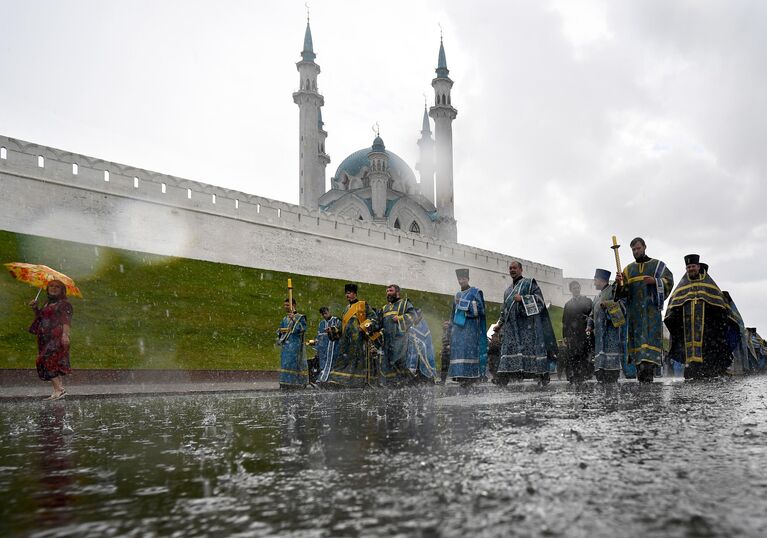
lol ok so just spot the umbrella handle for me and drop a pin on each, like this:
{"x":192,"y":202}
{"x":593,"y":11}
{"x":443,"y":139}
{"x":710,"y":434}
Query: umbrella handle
{"x":38,"y":293}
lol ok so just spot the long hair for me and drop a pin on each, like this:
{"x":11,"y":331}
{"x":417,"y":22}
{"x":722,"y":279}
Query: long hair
{"x":61,"y":285}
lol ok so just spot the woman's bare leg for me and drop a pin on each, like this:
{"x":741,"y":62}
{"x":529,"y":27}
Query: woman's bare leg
{"x":58,"y":385}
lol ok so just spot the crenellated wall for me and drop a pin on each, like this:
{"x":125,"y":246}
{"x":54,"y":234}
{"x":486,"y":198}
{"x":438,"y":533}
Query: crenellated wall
{"x":110,"y":204}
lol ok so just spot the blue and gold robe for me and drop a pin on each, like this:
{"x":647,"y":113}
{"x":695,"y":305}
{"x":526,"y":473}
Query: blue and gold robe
{"x":395,"y":339}
{"x":294,"y":370}
{"x":608,"y":325}
{"x":757,"y":348}
{"x":697,"y":318}
{"x":644,"y":303}
{"x":528,"y":344}
{"x":357,"y":354}
{"x":737,"y":337}
{"x":420,"y":349}
{"x":327,"y":347}
{"x":468,"y":335}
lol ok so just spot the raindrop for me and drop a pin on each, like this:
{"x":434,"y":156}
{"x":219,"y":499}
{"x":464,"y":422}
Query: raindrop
{"x":167,"y":313}
{"x":122,"y":269}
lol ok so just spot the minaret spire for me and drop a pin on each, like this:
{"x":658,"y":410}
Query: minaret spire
{"x":425,"y":165}
{"x":308,"y":53}
{"x":311,"y":141}
{"x":443,"y":114}
{"x":425,"y":124}
{"x":442,"y":70}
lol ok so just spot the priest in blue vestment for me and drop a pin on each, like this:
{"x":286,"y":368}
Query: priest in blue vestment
{"x":356,"y":364}
{"x":607,"y":324}
{"x":528,"y":344}
{"x":294,"y":370}
{"x":397,"y":317}
{"x":468,"y":332}
{"x":644,"y":285}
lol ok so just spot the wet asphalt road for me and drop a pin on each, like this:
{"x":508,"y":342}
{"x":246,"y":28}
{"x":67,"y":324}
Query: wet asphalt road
{"x":671,"y":459}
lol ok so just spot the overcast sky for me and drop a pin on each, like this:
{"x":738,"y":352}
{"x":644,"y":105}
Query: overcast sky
{"x":576,"y":119}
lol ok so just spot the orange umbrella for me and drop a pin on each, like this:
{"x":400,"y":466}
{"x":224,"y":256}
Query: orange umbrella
{"x":39,"y":276}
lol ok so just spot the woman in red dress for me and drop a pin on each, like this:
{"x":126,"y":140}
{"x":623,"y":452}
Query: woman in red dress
{"x":51,"y":325}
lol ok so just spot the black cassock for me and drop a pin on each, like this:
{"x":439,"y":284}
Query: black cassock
{"x":577,"y":344}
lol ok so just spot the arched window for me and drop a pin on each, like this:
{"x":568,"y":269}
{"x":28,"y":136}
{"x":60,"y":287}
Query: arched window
{"x":3,"y":153}
{"x":448,"y":99}
{"x":414,"y":228}
{"x":396,"y":224}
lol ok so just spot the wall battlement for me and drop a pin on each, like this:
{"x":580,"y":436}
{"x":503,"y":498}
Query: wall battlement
{"x":128,"y":207}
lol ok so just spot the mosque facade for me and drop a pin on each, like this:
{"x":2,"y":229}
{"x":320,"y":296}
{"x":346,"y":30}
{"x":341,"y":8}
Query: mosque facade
{"x":375,"y":184}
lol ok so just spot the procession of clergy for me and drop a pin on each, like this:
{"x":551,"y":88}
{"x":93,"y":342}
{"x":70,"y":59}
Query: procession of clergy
{"x":620,"y":331}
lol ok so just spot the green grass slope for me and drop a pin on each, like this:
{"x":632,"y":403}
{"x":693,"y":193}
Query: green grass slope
{"x":147,"y":311}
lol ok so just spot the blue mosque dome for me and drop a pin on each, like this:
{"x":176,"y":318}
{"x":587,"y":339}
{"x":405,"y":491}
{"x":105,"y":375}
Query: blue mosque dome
{"x":353,"y":164}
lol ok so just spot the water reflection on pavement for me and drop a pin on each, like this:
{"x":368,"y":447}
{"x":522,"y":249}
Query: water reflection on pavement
{"x":671,"y":459}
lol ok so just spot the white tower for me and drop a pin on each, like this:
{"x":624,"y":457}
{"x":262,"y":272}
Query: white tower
{"x":443,"y":114}
{"x":425,"y":165}
{"x":312,"y":157}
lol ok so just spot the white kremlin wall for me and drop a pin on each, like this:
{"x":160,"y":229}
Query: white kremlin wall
{"x":53,"y":193}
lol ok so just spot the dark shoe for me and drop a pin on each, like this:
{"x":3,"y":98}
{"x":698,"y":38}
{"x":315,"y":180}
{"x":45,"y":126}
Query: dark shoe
{"x":694,"y":370}
{"x":501,"y":379}
{"x":599,"y":375}
{"x":611,"y":376}
{"x":646,"y":372}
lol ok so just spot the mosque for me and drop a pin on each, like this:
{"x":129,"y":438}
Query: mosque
{"x":376,"y":208}
{"x":374,"y":183}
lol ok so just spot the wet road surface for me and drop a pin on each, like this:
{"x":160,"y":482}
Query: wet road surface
{"x":671,"y":459}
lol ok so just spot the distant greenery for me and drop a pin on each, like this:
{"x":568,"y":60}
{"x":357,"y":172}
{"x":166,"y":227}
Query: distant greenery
{"x":148,"y":311}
